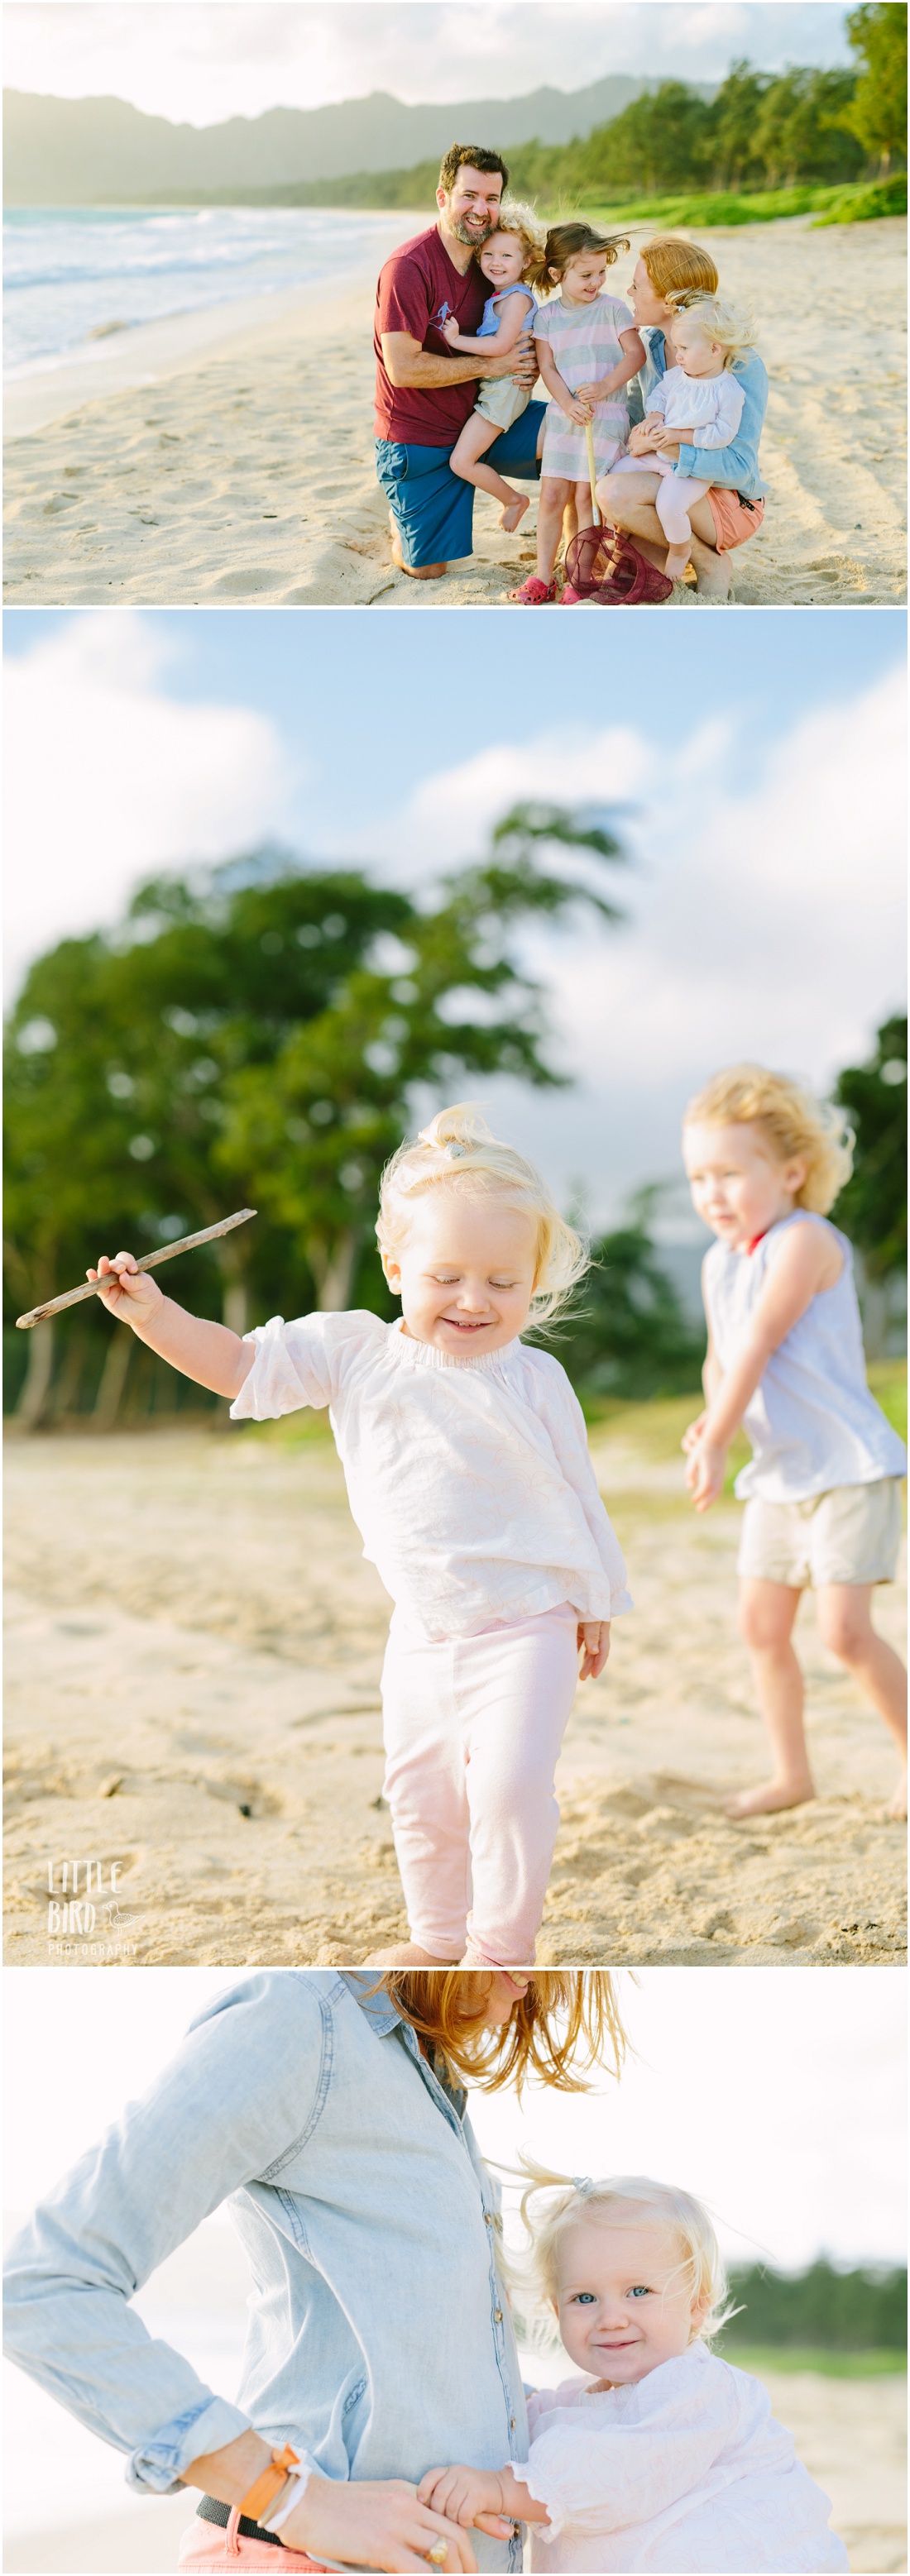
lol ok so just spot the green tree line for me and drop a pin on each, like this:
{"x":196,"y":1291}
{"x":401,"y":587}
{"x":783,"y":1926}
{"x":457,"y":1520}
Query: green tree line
{"x":845,"y":2311}
{"x":761,"y":131}
{"x":256,"y":1035}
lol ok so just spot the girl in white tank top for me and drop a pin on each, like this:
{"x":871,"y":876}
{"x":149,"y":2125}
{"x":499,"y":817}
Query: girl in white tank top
{"x":785,"y":1360}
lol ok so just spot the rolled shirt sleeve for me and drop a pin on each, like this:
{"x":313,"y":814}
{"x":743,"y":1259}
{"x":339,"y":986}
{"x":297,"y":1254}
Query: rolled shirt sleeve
{"x":231,"y":2106}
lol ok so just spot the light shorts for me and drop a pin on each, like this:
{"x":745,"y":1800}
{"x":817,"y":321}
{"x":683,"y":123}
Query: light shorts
{"x":849,"y":1535}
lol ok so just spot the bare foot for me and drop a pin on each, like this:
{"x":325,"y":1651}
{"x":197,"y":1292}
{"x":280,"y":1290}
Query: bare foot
{"x":770,"y":1797}
{"x":712,"y":573}
{"x":425,"y":572}
{"x":677,"y":563}
{"x":514,"y":510}
{"x":897,"y":1806}
{"x":405,"y":1954}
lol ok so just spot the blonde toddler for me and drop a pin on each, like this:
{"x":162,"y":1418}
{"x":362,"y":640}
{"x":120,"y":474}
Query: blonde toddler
{"x":469,"y":1478}
{"x":661,"y":2457}
{"x":785,"y":1359}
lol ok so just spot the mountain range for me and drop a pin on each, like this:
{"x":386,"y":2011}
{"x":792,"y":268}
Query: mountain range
{"x":102,"y":151}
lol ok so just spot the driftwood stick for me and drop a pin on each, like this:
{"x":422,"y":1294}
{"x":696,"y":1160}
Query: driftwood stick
{"x":149,"y":1261}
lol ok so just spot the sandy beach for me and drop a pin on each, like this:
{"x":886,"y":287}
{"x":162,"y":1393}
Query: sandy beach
{"x":241,"y":468}
{"x":193,"y":1661}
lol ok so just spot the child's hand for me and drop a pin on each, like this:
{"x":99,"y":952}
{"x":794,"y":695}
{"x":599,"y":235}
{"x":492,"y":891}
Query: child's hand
{"x":577,"y":410}
{"x":705,"y":1473}
{"x":593,"y":1646}
{"x":593,"y":393}
{"x":128,"y":1291}
{"x":466,"y":2496}
{"x":450,"y":330}
{"x":667,"y":441}
{"x":694,"y":1432}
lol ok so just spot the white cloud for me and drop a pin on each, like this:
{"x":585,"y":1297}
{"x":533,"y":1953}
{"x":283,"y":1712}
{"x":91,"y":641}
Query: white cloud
{"x":178,"y":59}
{"x":766,"y":918}
{"x":108,"y":777}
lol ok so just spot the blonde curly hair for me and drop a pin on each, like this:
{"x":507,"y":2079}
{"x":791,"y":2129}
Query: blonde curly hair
{"x":792,"y":1122}
{"x":729,"y":325}
{"x":458,"y":1151}
{"x":618,"y":2201}
{"x":518,"y":218}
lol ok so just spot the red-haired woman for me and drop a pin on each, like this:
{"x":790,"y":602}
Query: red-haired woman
{"x":329,"y":2109}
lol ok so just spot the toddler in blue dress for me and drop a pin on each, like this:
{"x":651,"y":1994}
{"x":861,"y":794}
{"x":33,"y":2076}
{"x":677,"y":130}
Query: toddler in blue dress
{"x":510,"y":310}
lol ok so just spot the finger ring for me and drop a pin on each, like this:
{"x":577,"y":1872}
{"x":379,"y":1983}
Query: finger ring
{"x":438,"y":2554}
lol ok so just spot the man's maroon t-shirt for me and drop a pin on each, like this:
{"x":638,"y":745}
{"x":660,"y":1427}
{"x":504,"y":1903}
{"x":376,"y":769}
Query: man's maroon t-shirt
{"x":417,"y":289}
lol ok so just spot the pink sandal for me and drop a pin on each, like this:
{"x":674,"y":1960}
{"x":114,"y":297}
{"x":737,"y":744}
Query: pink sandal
{"x":533,"y":593}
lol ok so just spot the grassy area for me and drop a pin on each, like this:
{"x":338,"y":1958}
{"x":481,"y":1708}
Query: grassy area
{"x":888,"y":1380}
{"x":850,"y":204}
{"x":829,"y":2363}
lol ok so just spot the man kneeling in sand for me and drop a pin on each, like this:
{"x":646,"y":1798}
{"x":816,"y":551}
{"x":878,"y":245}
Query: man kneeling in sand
{"x":425,"y":392}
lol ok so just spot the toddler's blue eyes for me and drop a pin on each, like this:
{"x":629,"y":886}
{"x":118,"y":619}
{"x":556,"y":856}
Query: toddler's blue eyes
{"x":639,"y":2292}
{"x":586,"y":2299}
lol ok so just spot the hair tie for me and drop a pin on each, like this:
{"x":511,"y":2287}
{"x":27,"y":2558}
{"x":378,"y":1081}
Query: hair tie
{"x":455,"y":1152}
{"x":582,"y":2182}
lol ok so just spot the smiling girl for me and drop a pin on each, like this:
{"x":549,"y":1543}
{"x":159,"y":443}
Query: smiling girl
{"x":506,"y":262}
{"x":588,"y":351}
{"x":469,"y":1479}
{"x":662,"y":2456}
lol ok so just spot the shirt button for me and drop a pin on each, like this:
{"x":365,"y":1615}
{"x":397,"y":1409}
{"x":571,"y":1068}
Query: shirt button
{"x":487,"y":2220}
{"x":512,"y":2423}
{"x":497,"y":2316}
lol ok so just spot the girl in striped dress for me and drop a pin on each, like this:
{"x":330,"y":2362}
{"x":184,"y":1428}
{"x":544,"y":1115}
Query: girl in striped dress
{"x":588,"y":351}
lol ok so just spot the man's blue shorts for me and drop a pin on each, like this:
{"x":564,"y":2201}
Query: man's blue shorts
{"x":432,"y":507}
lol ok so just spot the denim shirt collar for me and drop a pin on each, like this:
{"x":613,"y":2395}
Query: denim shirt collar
{"x":384,"y":2017}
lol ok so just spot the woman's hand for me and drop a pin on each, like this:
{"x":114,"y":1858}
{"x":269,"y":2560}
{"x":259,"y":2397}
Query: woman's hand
{"x":593,"y":1646}
{"x":640,"y":439}
{"x":129,"y":1292}
{"x":372,"y":2522}
{"x":468,"y":2496}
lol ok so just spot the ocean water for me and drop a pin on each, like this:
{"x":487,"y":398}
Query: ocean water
{"x":74,"y":277}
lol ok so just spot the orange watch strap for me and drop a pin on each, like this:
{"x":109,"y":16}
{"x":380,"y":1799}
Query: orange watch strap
{"x":267,"y":2485}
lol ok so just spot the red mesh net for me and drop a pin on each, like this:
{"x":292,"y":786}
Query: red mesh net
{"x":604,"y":566}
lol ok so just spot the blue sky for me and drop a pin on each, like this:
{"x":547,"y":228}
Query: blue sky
{"x":205,"y":62}
{"x":339,"y":687}
{"x":756,"y":759}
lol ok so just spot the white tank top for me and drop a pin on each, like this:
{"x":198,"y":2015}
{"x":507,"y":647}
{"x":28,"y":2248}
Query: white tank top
{"x":812,"y":1421}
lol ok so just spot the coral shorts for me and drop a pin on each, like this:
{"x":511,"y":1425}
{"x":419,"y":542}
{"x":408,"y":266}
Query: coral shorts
{"x":206,"y":2545}
{"x":849,"y":1535}
{"x":734,"y":520}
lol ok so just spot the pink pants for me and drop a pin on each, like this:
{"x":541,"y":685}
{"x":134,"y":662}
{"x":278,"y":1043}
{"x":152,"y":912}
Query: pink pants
{"x":676,"y":496}
{"x":206,"y":2545}
{"x":473,"y":1729}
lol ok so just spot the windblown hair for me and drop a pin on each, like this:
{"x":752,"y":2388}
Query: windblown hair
{"x":619,"y":2201}
{"x":678,"y":267}
{"x":571,"y":241}
{"x":792,"y":1123}
{"x":469,"y":156}
{"x":565,"y":2016}
{"x":457,"y":1151}
{"x":515,"y":217}
{"x":732,"y":328}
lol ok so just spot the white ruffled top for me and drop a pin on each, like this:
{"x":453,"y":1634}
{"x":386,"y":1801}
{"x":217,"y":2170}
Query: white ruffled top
{"x":469,"y":1479}
{"x":687,"y":2473}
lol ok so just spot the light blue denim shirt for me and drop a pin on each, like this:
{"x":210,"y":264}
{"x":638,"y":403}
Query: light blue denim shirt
{"x":379,"y":2341}
{"x":736,"y":465}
